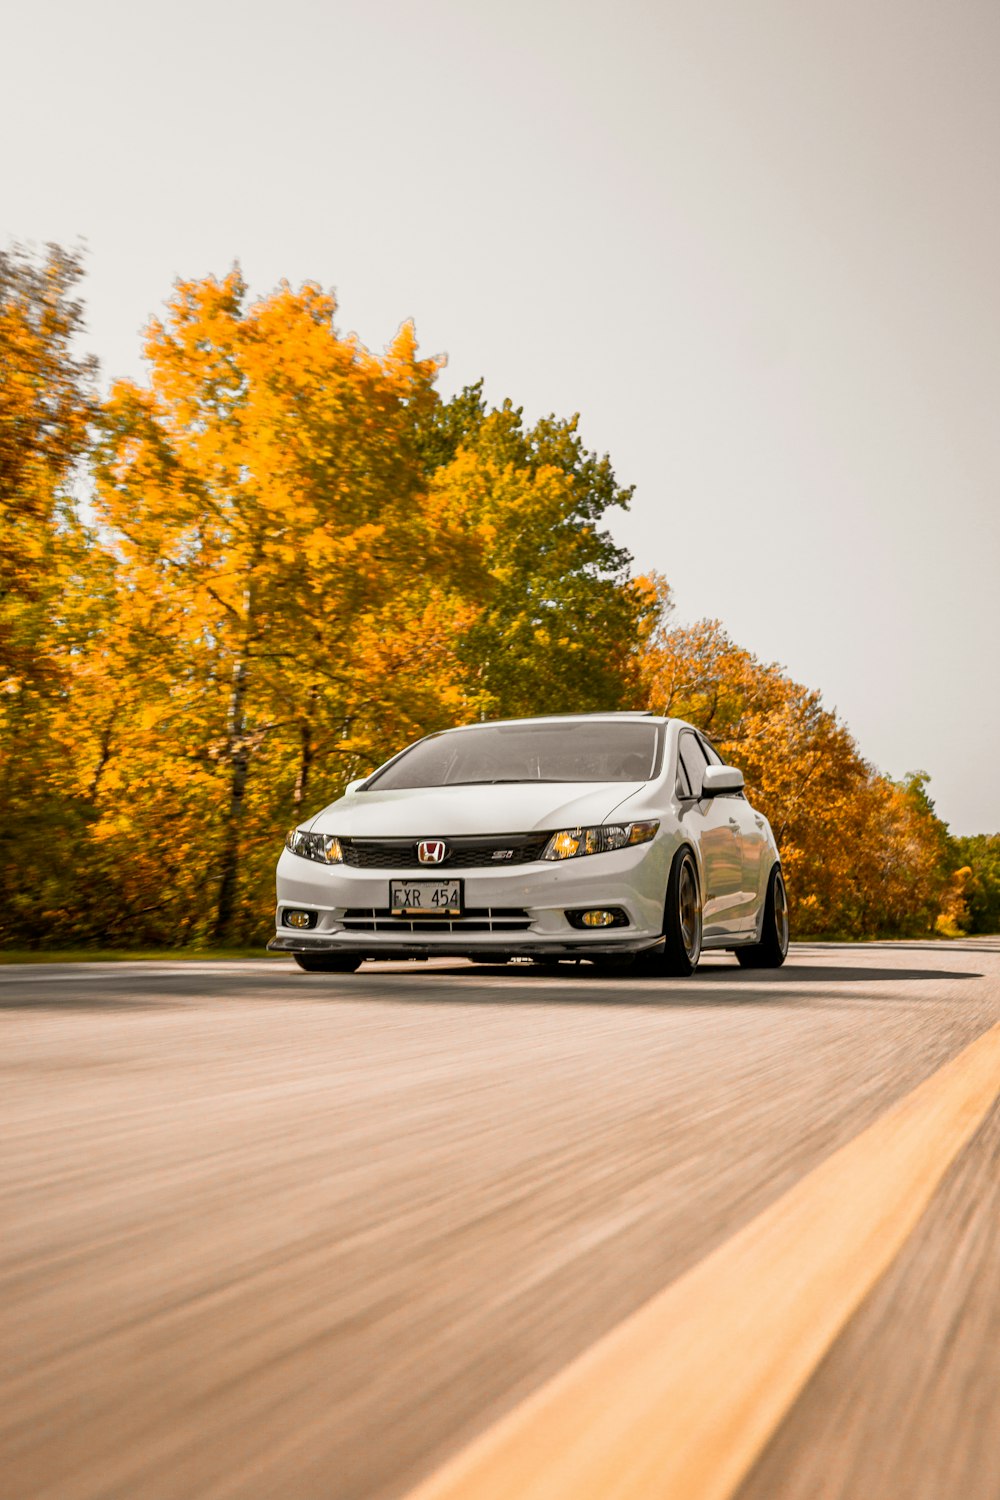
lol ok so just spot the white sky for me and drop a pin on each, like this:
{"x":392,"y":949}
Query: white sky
{"x":755,"y":245}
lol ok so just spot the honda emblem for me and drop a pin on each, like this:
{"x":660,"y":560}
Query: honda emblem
{"x":432,"y":851}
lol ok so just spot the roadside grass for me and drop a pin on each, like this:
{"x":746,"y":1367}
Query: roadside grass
{"x":125,"y":955}
{"x":885,"y":937}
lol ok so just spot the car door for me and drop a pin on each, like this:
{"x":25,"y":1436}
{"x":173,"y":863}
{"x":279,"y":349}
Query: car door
{"x":757,"y":860}
{"x":716,"y":833}
{"x":753,"y":844}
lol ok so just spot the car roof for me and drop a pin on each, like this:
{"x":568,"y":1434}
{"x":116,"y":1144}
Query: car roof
{"x":607,"y":715}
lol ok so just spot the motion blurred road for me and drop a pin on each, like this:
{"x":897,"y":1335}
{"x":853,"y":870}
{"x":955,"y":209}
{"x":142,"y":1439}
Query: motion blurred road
{"x":269,"y":1234}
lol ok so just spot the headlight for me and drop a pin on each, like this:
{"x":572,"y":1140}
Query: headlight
{"x":324,"y":847}
{"x":570,"y":842}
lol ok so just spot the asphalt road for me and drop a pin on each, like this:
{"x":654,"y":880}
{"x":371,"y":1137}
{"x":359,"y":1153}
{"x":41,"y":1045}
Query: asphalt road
{"x":268,"y":1234}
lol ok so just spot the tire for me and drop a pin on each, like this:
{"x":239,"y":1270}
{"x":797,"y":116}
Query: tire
{"x":682,"y":919}
{"x":772,"y":950}
{"x":327,"y":963}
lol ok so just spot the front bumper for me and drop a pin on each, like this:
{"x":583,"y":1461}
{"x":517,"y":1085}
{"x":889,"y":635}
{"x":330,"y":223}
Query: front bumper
{"x":596,"y":947}
{"x":633,"y":879}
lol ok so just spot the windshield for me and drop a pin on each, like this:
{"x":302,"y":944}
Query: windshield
{"x":490,"y":754}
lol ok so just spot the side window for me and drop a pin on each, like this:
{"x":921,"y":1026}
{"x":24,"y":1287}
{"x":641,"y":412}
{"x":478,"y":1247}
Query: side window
{"x":691,"y":763}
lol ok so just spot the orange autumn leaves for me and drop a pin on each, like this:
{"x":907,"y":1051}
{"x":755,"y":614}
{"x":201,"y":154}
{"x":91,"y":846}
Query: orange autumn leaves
{"x":864,"y":855}
{"x":293,"y":557}
{"x":299,"y":559}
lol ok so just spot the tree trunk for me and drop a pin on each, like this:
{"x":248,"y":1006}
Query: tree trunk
{"x":239,"y":769}
{"x":307,"y":754}
{"x":103,"y":757}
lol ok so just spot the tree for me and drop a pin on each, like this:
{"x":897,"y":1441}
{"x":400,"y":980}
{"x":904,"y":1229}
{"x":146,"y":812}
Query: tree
{"x":558,"y":618}
{"x":975,"y":904}
{"x":862,"y":855}
{"x":302,"y":559}
{"x":46,"y":405}
{"x":275,"y":566}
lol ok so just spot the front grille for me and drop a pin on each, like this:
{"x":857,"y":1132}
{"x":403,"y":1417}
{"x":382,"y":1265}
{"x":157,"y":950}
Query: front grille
{"x":475,"y":919}
{"x":496,"y":851}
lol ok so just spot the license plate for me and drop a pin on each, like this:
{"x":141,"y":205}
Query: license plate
{"x":425,"y":898}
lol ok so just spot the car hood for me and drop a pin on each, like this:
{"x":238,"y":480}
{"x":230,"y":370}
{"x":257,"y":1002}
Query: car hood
{"x":435,"y":812}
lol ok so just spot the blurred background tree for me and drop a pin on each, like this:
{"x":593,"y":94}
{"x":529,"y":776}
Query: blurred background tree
{"x":47,"y":404}
{"x":300,"y":591}
{"x":557,"y":617}
{"x":976,"y":901}
{"x":864,"y":856}
{"x":229,"y":589}
{"x":266,"y":505}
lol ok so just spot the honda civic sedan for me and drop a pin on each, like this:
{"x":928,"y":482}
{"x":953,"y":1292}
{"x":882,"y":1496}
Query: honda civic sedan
{"x":617,"y":838}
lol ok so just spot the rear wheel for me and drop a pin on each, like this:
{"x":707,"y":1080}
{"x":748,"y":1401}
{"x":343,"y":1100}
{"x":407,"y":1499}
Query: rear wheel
{"x":771,"y":951}
{"x":327,"y":963}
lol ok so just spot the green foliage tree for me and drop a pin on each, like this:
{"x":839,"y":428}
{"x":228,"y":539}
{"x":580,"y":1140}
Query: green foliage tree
{"x":977,"y":883}
{"x":558,"y":617}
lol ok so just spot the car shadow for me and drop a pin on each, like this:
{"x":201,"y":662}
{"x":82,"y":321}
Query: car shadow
{"x":798,"y":973}
{"x":805,"y":981}
{"x":721,"y":985}
{"x":806,"y":973}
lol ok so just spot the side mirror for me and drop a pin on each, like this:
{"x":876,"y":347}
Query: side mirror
{"x":354,"y":786}
{"x":721,"y":779}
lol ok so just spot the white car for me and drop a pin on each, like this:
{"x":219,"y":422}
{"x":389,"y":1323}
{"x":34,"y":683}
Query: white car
{"x":619,"y":837}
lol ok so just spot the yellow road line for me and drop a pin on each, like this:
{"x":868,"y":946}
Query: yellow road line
{"x":678,"y":1401}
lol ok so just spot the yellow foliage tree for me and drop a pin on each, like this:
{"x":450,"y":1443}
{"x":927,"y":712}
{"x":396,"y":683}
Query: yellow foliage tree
{"x":863,"y":855}
{"x":46,"y":405}
{"x":277,"y":594}
{"x":304,"y":558}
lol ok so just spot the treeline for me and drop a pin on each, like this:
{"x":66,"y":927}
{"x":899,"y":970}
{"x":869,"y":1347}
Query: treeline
{"x":865,"y":856}
{"x":226,"y":591}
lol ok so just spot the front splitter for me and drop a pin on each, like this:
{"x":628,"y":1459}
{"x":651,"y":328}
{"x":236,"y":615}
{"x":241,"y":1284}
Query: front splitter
{"x":293,"y":943}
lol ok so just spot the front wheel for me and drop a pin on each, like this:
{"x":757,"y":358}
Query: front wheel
{"x":327,"y":963}
{"x":771,"y":951}
{"x":682,"y":918}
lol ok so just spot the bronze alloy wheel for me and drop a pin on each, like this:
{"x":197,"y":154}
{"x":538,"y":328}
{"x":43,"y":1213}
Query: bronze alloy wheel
{"x":772,"y":949}
{"x":682,"y":920}
{"x":780,"y":913}
{"x":689,"y":911}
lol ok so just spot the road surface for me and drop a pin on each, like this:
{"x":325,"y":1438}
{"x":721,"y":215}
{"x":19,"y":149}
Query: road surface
{"x":268,"y":1234}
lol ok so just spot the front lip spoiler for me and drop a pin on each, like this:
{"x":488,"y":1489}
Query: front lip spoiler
{"x":293,"y":943}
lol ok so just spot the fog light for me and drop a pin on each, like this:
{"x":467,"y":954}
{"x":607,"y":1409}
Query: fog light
{"x":300,"y":919}
{"x":600,"y":916}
